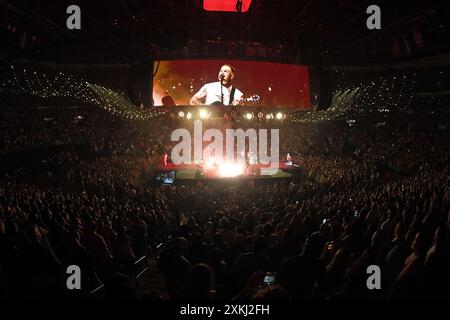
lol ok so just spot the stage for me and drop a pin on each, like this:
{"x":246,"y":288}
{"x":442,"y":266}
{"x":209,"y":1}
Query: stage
{"x":188,"y":173}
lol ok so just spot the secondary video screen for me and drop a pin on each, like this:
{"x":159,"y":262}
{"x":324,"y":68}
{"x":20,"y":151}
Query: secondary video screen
{"x":224,"y":82}
{"x":166,"y":178}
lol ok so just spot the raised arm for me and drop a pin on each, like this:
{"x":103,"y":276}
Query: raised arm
{"x":199,"y":97}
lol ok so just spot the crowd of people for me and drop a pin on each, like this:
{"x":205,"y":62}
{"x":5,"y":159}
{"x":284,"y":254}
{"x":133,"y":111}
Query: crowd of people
{"x":371,"y":195}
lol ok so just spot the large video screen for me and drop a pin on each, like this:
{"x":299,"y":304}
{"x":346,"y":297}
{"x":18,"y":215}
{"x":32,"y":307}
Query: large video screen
{"x":235,"y":82}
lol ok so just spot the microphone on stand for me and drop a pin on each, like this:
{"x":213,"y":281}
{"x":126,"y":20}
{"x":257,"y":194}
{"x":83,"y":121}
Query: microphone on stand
{"x":221,"y":88}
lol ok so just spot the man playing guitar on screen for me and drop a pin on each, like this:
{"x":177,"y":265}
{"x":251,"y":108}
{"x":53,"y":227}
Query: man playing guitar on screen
{"x":221,"y":92}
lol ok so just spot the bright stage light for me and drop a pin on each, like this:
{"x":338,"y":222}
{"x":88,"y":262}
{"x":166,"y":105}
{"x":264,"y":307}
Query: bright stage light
{"x":249,"y":116}
{"x":228,"y":170}
{"x":279,"y":115}
{"x":210,"y":164}
{"x":203,"y":114}
{"x":181,"y":114}
{"x":189,"y":115}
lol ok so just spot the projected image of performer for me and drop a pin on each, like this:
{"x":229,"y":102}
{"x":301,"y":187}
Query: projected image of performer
{"x":221,"y":92}
{"x":289,"y":159}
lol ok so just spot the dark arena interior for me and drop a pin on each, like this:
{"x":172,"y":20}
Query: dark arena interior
{"x":238,"y":152}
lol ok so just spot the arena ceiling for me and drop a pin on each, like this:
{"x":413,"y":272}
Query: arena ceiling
{"x":303,"y":31}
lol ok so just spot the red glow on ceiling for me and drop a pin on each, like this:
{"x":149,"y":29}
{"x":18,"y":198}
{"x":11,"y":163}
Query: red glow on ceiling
{"x":225,"y":5}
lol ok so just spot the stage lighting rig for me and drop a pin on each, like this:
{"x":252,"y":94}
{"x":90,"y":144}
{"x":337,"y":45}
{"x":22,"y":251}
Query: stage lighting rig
{"x":203,"y":113}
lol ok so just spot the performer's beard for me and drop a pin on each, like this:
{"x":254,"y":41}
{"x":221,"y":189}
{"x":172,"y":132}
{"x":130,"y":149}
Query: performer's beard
{"x":225,"y":83}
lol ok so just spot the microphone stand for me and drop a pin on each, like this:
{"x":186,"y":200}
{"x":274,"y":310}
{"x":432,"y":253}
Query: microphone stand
{"x":221,"y":90}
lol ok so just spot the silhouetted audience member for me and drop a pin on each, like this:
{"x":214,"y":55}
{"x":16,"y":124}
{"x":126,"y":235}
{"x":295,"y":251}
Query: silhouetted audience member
{"x":199,"y":284}
{"x":248,"y":263}
{"x":174,"y":265}
{"x":299,"y":274}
